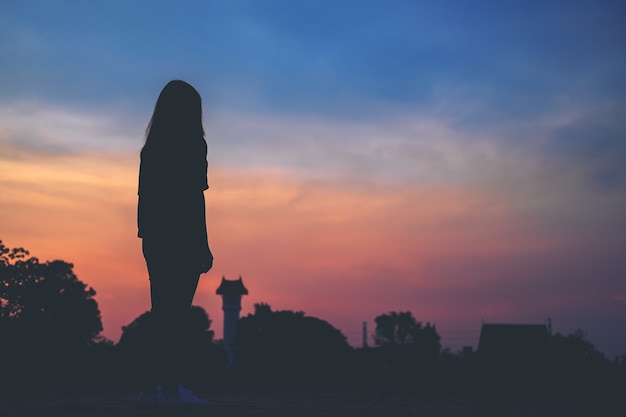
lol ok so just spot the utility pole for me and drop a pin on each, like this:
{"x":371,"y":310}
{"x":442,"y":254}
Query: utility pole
{"x":364,"y":335}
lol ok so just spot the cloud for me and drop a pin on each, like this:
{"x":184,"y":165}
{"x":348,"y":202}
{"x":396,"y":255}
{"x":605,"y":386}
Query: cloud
{"x":393,"y":148}
{"x":548,"y":167}
{"x":55,"y":129}
{"x":564,"y":171}
{"x":449,"y":253}
{"x":403,"y":211}
{"x":446,"y":253}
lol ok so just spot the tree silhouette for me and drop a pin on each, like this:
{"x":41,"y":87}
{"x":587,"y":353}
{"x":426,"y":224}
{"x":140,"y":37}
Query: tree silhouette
{"x":575,"y":348}
{"x":46,"y":301}
{"x":48,"y":318}
{"x":408,"y":352}
{"x":575,"y":365}
{"x":401,"y":329}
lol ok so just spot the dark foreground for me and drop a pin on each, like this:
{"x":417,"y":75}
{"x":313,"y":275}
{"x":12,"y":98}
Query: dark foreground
{"x":290,"y":404}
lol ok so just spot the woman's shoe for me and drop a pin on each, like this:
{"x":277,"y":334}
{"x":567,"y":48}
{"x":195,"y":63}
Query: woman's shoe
{"x":186,"y":397}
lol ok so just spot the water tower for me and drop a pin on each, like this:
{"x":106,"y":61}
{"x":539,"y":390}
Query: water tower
{"x":231,"y":292}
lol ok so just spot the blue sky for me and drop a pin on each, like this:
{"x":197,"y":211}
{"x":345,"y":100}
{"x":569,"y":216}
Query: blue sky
{"x":520,"y":102}
{"x":319,"y":57}
{"x":478,"y":66}
{"x":506,"y":71}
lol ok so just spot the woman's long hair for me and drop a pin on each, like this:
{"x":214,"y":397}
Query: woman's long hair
{"x":177,"y":119}
{"x":175,"y":150}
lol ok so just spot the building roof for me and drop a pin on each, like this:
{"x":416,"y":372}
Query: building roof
{"x":231,"y":287}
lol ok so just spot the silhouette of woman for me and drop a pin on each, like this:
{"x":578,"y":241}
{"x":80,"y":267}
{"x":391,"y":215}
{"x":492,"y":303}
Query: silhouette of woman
{"x":172,"y":225}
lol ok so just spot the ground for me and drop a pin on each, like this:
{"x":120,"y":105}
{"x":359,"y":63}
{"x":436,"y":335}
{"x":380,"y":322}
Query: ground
{"x":282,"y":404}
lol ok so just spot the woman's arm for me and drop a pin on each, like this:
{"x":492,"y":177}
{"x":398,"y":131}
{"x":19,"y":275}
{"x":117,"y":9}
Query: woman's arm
{"x":206,"y":256}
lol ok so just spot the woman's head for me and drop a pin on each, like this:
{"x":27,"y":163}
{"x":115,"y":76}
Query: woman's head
{"x":177,"y":115}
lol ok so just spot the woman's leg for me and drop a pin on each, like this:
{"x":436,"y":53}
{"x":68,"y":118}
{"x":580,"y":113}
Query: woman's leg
{"x":172,"y":288}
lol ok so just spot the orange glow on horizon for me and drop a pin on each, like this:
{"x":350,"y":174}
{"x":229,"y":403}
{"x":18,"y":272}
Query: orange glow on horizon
{"x":298,"y":244}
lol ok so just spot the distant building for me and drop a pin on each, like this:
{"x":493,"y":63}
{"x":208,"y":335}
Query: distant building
{"x":231,"y":292}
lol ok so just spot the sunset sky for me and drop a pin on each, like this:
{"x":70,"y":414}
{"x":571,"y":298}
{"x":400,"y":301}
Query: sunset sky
{"x":464,"y":160}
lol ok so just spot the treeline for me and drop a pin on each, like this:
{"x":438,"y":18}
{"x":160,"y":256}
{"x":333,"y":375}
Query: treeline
{"x":50,"y":329}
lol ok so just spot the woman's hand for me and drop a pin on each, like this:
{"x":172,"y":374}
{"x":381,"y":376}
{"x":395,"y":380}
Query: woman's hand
{"x":206,"y":261}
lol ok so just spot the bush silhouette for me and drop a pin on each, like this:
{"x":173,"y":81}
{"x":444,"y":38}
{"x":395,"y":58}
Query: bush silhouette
{"x":286,"y":348}
{"x":204,"y":361}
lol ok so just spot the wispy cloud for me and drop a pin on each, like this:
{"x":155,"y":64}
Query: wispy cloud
{"x":53,"y":129}
{"x":520,"y":164}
